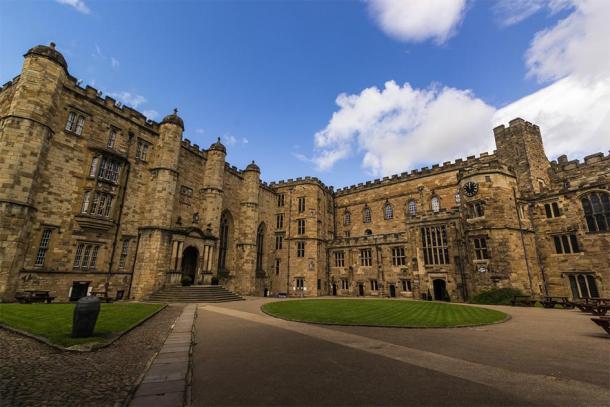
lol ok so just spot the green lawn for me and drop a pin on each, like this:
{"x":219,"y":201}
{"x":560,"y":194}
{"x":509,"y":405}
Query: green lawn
{"x":54,"y":321}
{"x":397,"y":313}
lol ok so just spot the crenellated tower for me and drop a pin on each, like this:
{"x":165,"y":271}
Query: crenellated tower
{"x":25,"y":134}
{"x":213,"y":186}
{"x":155,"y":235}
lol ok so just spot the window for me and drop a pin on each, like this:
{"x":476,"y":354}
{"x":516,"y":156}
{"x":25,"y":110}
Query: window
{"x":123,"y":255}
{"x":223,"y":246}
{"x":75,"y":123}
{"x":480,"y":248}
{"x":347,"y":219}
{"x":458,"y":198}
{"x":374,"y":285}
{"x":365,"y":257}
{"x":583,"y":286}
{"x":277,"y":266}
{"x":280,"y":201}
{"x":596,"y":206}
{"x":339,"y":259}
{"x":142,"y":150}
{"x":406,"y":285}
{"x":43,"y":247}
{"x":260,"y":244}
{"x":319,"y":284}
{"x":366,"y":215}
{"x":300,"y":226}
{"x":388,"y":211}
{"x":86,"y":256}
{"x":187,"y":191}
{"x":434,"y":243}
{"x":412,"y":208}
{"x":302,"y":204}
{"x":111,"y":138}
{"x":346,"y":233}
{"x":551,"y":210}
{"x":435,"y":203}
{"x":93,"y":168}
{"x":566,"y":244}
{"x":368,"y":232}
{"x":344,"y":284}
{"x":300,"y":283}
{"x":109,"y":170}
{"x":477,"y":210}
{"x":279,"y":221}
{"x":300,"y":249}
{"x":85,"y":207}
{"x":100,"y":206}
{"x":279,"y":240}
{"x":398,"y":256}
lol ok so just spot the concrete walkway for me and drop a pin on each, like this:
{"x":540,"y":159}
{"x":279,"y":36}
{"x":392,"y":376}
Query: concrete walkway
{"x":539,"y":357}
{"x":165,"y":382}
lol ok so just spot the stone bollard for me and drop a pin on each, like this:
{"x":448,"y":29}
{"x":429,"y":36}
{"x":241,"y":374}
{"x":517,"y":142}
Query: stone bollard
{"x":85,"y":316}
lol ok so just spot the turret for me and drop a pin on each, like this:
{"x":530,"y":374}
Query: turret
{"x":213,"y":184}
{"x":520,"y":147}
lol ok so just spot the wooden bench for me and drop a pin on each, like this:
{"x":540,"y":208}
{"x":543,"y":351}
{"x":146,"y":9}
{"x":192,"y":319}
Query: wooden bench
{"x":595,"y":306}
{"x":102,"y":296}
{"x":523,"y":300}
{"x":30,"y":296}
{"x":550,"y":302}
{"x":603,"y":322}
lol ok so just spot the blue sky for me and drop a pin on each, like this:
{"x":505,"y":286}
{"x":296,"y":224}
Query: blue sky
{"x":265,"y":75}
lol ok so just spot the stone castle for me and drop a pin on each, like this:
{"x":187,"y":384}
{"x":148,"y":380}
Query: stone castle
{"x":96,"y":198}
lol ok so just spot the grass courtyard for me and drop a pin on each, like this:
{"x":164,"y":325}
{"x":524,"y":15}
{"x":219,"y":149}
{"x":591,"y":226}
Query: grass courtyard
{"x":390,"y":313}
{"x":54,"y":321}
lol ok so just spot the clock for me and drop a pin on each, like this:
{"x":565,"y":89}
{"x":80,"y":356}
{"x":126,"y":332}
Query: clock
{"x":471,"y":188}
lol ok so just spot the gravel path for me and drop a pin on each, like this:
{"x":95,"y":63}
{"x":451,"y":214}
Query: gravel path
{"x":32,"y":373}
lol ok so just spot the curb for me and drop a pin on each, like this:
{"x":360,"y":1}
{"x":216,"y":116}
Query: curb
{"x":83,"y":347}
{"x":166,"y":380}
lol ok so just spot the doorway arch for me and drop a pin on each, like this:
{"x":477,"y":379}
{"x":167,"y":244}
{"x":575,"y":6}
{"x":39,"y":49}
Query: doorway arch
{"x":440,"y":290}
{"x":190,"y":257}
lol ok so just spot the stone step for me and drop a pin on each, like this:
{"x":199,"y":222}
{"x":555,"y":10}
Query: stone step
{"x":196,"y":293}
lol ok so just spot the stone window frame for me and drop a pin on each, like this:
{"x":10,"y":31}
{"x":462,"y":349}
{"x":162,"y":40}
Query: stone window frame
{"x":301,"y":249}
{"x":300,"y":226}
{"x":142,"y":148}
{"x":435,"y":244}
{"x":124,"y":253}
{"x":367,"y":216}
{"x":551,"y":210}
{"x":399,"y":256}
{"x":112,"y":137}
{"x":366,"y":257}
{"x":75,"y":122}
{"x":279,"y":242}
{"x":339,"y":258}
{"x":86,"y":255}
{"x":566,"y":243}
{"x":435,"y":204}
{"x":476,"y":209}
{"x":406,"y":285}
{"x":101,"y":204}
{"x":43,"y":246}
{"x":481,"y":248}
{"x":344,"y":284}
{"x":388,"y":211}
{"x":299,"y":283}
{"x":583,"y":283}
{"x":412,"y":207}
{"x":374,"y":285}
{"x":280,"y":200}
{"x":277,"y":266}
{"x":301,"y":204}
{"x":279,"y":221}
{"x":596,"y":210}
{"x":347,"y":218}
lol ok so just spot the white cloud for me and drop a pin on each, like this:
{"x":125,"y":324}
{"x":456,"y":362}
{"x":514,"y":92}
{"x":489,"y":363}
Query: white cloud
{"x":128,"y":98}
{"x":510,"y":12}
{"x":244,"y":140}
{"x":150,"y":114}
{"x":416,"y":21}
{"x":397,"y":126}
{"x":114,"y":62}
{"x":199,"y":131}
{"x":229,"y":140}
{"x":79,"y":5}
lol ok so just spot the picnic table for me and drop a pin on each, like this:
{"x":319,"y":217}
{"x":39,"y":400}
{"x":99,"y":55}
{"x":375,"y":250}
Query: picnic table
{"x":523,"y":300}
{"x":595,"y":306}
{"x":550,"y":302}
{"x":603,"y":322}
{"x":103,"y":296}
{"x":30,"y":296}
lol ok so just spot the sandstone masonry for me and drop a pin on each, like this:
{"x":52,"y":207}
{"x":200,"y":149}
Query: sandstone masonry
{"x":95,"y":197}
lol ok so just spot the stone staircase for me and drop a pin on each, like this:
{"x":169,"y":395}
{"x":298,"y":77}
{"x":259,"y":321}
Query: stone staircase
{"x":195,"y":293}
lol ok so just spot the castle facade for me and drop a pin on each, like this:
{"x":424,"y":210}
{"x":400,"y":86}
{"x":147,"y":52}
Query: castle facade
{"x":96,"y":198}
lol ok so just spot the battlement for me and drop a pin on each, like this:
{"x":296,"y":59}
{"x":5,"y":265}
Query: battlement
{"x":418,"y":173}
{"x":300,"y":181}
{"x":516,"y":124}
{"x":563,"y":164}
{"x":10,"y":83}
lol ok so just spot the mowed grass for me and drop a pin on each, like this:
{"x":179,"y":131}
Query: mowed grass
{"x":395,"y":313}
{"x":54,"y":321}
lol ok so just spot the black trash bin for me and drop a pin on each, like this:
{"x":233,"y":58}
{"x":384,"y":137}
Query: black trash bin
{"x":85,"y":316}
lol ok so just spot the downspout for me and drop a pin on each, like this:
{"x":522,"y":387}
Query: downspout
{"x":118,"y":222}
{"x":288,"y":241}
{"x":133,"y":265}
{"x":527,"y":263}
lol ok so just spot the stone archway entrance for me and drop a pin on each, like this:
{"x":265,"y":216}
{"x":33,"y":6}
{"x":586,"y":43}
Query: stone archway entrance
{"x":190,"y":257}
{"x":440,"y":289}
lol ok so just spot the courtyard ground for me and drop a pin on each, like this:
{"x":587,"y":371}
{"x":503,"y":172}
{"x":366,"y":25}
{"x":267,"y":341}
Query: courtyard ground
{"x":539,"y":357}
{"x":34,"y":374}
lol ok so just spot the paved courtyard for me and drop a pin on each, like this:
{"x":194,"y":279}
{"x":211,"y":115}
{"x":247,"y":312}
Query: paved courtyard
{"x":539,"y":357}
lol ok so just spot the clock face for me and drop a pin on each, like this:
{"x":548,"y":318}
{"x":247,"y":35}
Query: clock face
{"x":471,"y":188}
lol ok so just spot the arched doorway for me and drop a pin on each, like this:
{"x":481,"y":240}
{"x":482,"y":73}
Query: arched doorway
{"x":361,"y":290}
{"x":189,"y":262}
{"x":334,"y":289}
{"x":440,"y":290}
{"x":392,"y":290}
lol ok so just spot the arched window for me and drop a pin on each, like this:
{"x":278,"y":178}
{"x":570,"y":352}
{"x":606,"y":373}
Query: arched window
{"x":412,"y":208}
{"x":225,"y":224}
{"x":347,"y":218}
{"x":366,"y":215}
{"x":458,"y":198}
{"x":436,"y":204}
{"x":260,"y":242}
{"x":388,"y":211}
{"x":368,"y":232}
{"x":596,"y":206}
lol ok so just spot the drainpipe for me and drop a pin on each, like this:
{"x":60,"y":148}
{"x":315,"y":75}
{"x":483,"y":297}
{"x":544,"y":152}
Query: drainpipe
{"x":527,"y":263}
{"x":133,"y":265}
{"x":288,"y":241}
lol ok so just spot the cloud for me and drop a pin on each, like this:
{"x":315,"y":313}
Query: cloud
{"x":150,"y":114}
{"x":79,"y":5}
{"x":244,"y":140}
{"x":114,"y":62}
{"x":399,"y":127}
{"x":417,"y":21}
{"x":230,"y":140}
{"x":395,"y":127}
{"x":510,"y":12}
{"x":128,"y":98}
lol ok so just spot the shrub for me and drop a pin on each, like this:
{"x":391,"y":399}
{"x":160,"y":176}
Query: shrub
{"x":497,"y":296}
{"x":186,"y":280}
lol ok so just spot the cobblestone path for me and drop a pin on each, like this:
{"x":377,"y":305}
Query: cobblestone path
{"x":32,"y":373}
